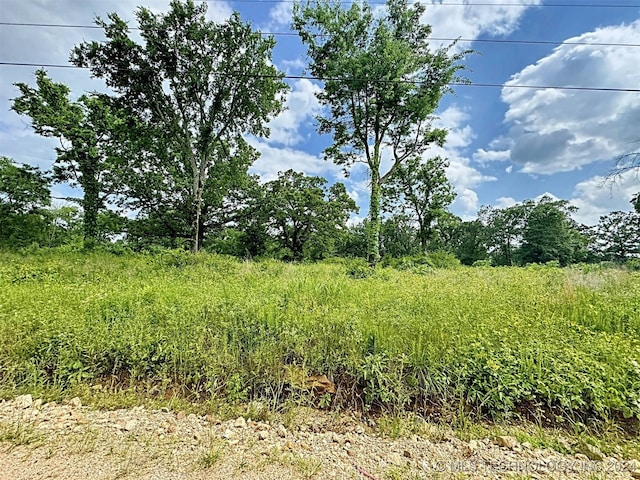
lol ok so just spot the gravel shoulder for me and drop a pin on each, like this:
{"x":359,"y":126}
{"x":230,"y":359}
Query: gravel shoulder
{"x":72,"y":441}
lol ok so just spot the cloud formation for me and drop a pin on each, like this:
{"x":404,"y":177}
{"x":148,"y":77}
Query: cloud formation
{"x":563,"y":130}
{"x":470,"y":21}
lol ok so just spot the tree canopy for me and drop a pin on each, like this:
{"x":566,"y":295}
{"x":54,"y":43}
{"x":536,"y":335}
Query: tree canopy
{"x":88,"y":128}
{"x":196,"y":88}
{"x":382,"y":84}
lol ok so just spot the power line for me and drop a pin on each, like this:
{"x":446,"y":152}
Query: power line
{"x":321,"y":79}
{"x":293,"y":34}
{"x":459,"y":4}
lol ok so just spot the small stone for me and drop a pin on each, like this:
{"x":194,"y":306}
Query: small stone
{"x":359,"y":429}
{"x":130,"y":425}
{"x":228,"y":434}
{"x":591,"y":451}
{"x":24,"y":401}
{"x":171,"y":427}
{"x":581,"y":457}
{"x":282,"y":431}
{"x":180,"y":415}
{"x":37,"y":403}
{"x":164,"y":409}
{"x":75,"y":402}
{"x":351,"y":453}
{"x":211,"y":419}
{"x":240,"y":422}
{"x":263,"y":435}
{"x":407,"y":454}
{"x":526,"y":445}
{"x":507,"y":441}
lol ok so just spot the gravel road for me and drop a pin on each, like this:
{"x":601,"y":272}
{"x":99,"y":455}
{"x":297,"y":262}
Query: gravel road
{"x":71,"y":441}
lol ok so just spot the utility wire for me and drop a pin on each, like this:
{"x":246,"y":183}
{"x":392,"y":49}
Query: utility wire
{"x":458,"y":4}
{"x":293,"y":34}
{"x":321,"y":79}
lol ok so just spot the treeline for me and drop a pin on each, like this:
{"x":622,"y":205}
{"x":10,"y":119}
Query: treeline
{"x":169,"y":147}
{"x":298,"y":217}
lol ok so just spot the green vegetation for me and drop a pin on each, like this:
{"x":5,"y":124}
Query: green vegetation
{"x":556,"y":345}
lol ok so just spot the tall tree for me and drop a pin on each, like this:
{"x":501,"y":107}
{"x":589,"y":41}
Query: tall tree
{"x":302,"y":210}
{"x":617,"y":235}
{"x":382,"y":84}
{"x":24,"y":192}
{"x":88,"y":130}
{"x":197,"y":86}
{"x":504,"y":231}
{"x":551,"y":234}
{"x":421,"y":191}
{"x":398,"y":237}
{"x":468,"y":241}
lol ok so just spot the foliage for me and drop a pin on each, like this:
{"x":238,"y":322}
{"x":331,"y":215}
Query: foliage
{"x":305,"y":214}
{"x":88,"y":130}
{"x":531,"y":232}
{"x":382,"y":84}
{"x":617,"y":235}
{"x":468,"y":241}
{"x":397,"y":237}
{"x":560,"y":342}
{"x":504,"y":230}
{"x":195,"y":88}
{"x":421,"y":191}
{"x":551,"y":235}
{"x":23,"y":188}
{"x":24,"y":194}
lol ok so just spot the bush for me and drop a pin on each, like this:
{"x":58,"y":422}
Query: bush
{"x":358,"y":268}
{"x":442,"y":259}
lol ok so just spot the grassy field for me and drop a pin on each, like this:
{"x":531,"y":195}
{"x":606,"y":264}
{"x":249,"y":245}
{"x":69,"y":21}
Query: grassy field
{"x":556,"y":345}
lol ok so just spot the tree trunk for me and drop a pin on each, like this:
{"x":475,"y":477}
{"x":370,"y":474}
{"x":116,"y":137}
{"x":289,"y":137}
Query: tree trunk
{"x":196,"y":226}
{"x":90,"y":201}
{"x":373,"y":229}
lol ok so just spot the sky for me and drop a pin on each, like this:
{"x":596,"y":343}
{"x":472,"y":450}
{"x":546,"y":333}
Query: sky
{"x":506,"y":143}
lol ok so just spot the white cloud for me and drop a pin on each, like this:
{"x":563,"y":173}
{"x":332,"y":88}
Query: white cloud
{"x":280,"y":15}
{"x":562,"y":130}
{"x":461,"y":173}
{"x":595,"y":197}
{"x":273,"y":160}
{"x":483,"y":156}
{"x":466,"y":21}
{"x":301,"y":105}
{"x":505,"y":202}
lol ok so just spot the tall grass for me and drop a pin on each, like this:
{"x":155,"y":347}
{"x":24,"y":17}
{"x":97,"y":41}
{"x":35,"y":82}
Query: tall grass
{"x":556,"y":342}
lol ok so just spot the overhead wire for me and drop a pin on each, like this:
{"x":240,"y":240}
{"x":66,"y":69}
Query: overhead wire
{"x":307,"y":77}
{"x":293,"y":34}
{"x":458,"y":4}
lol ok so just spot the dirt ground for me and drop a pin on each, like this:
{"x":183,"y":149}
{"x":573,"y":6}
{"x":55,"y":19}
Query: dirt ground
{"x":72,"y":441}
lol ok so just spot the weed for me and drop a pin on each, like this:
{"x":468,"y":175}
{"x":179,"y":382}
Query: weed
{"x":18,"y":434}
{"x":212,"y":456}
{"x":557,"y":346}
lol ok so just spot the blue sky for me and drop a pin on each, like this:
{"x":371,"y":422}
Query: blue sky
{"x":505,"y":144}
